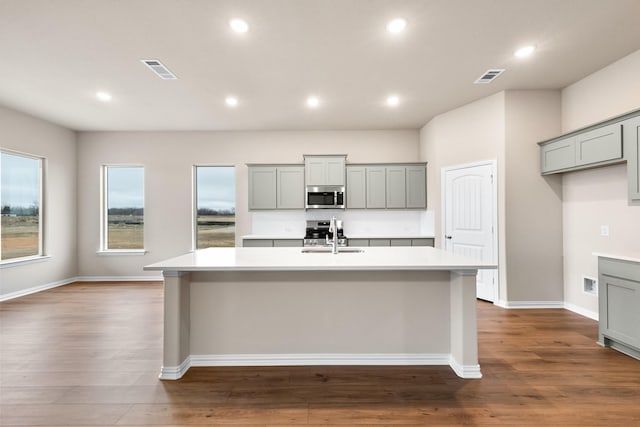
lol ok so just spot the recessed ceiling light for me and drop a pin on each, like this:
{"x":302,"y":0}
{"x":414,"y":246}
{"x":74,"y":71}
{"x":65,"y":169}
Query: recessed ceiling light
{"x":231,"y":101}
{"x":397,"y":25}
{"x":103,"y":96}
{"x":524,"y":51}
{"x":393,"y":100}
{"x":239,"y":25}
{"x":313,"y":102}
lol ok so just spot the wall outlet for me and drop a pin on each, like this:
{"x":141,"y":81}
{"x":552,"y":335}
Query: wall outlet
{"x":604,"y":230}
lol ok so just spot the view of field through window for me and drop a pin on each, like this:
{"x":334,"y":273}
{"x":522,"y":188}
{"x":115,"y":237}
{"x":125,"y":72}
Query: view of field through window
{"x":215,"y":206}
{"x":125,"y":207}
{"x":20,"y":186}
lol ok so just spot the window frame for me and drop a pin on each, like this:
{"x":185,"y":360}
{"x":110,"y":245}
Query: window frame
{"x":42,"y":172}
{"x":194,"y":199}
{"x":104,"y":214}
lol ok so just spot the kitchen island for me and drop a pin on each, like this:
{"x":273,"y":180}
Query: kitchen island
{"x":283,"y":307}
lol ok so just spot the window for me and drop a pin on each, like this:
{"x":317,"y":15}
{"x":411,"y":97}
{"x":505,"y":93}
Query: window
{"x":215,"y":206}
{"x":21,"y":201}
{"x":123,"y":208}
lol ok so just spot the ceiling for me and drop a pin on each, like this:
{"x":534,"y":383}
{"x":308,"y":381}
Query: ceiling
{"x":55,"y":56}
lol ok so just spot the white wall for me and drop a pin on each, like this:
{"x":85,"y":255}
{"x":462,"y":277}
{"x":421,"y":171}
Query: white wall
{"x":598,"y":196}
{"x":168,"y":158}
{"x":29,"y":135}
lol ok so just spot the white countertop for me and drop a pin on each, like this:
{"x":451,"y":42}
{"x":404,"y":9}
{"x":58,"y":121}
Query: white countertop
{"x":624,"y":256}
{"x":292,"y":259}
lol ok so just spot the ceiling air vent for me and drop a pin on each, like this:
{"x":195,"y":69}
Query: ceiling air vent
{"x":158,"y":68}
{"x":489,"y":76}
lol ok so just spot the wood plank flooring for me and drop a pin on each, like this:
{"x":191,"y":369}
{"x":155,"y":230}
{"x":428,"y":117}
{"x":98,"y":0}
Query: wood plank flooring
{"x":89,"y":354}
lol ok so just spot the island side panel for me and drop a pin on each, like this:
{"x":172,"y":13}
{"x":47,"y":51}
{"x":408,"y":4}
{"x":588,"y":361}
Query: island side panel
{"x":177,"y":324}
{"x":464,"y":329}
{"x":320,"y":313}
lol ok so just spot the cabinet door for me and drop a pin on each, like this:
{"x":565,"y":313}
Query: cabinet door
{"x":262,"y":187}
{"x":376,"y":187}
{"x":315,"y":170}
{"x":335,"y":170}
{"x":631,"y":129}
{"x":422,"y":242}
{"x":290,"y":191}
{"x":558,"y":155}
{"x":396,"y":187}
{"x":356,"y":187}
{"x":358,"y":242}
{"x":599,"y":145}
{"x":416,"y":187}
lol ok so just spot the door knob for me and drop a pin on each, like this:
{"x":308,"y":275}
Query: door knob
{"x":448,"y":237}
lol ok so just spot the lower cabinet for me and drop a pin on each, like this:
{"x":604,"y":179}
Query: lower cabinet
{"x":392,"y":242}
{"x":271,"y":243}
{"x":619,"y":301}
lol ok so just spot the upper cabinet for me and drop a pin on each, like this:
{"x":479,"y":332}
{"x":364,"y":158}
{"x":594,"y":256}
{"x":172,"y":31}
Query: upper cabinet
{"x":631,"y":134}
{"x":613,"y":141}
{"x":276,"y":187}
{"x":391,"y":186}
{"x":325,"y":170}
{"x":596,"y":147}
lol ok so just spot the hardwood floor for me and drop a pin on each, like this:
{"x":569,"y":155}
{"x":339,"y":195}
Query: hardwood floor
{"x":89,"y":354}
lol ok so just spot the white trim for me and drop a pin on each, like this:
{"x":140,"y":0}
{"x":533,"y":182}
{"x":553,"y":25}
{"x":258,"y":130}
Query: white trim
{"x":530,"y":304}
{"x":175,"y":372}
{"x":582,"y":311}
{"x":465,"y":371}
{"x":118,"y":278}
{"x":35,"y":289}
{"x":322,"y":359}
{"x":126,"y":252}
{"x":15,"y":262}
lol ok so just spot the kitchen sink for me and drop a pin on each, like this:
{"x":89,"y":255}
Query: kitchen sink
{"x":328,"y":250}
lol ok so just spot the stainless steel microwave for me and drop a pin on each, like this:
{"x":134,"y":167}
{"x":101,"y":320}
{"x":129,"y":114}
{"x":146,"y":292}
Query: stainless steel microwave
{"x":324,"y":197}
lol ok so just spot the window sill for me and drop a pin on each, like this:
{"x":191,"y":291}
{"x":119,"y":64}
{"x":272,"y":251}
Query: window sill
{"x":118,"y":252}
{"x":23,"y":261}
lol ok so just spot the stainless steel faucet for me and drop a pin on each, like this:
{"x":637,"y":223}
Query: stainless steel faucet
{"x":333,"y":228}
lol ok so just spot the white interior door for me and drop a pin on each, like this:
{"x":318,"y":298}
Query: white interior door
{"x":470,"y":219}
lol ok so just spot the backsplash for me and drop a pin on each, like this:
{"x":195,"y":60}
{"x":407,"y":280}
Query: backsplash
{"x":355,"y":222}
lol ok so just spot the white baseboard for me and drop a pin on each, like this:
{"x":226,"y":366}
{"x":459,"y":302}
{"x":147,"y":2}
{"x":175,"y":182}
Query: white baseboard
{"x":118,"y":278}
{"x":35,"y":289}
{"x":40,"y":288}
{"x":581,"y":311}
{"x":530,"y":304}
{"x":371,"y":359}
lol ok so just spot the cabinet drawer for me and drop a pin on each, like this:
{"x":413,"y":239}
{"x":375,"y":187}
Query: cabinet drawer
{"x":358,"y":242}
{"x":599,"y":145}
{"x":422,"y":242}
{"x":287,"y":243}
{"x":400,"y":242}
{"x":257,"y":243}
{"x":558,"y":155}
{"x":379,"y":242}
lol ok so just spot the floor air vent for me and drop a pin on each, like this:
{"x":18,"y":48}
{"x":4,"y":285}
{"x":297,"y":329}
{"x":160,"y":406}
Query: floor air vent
{"x":489,"y":76}
{"x":159,"y":68}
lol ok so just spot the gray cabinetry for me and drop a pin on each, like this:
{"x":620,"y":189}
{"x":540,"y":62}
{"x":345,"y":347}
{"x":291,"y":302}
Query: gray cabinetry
{"x":599,"y":145}
{"x":631,"y":130}
{"x":558,"y":155}
{"x":396,"y":190}
{"x":423,"y":241}
{"x":262,"y":187}
{"x":290,"y":187}
{"x":271,"y":243}
{"x":376,"y":187}
{"x":325,"y":170}
{"x":356,"y":187}
{"x":416,"y":187}
{"x":619,"y":301}
{"x":276,"y":187}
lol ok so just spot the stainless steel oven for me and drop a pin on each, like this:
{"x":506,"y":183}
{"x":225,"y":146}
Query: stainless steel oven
{"x":325,"y":197}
